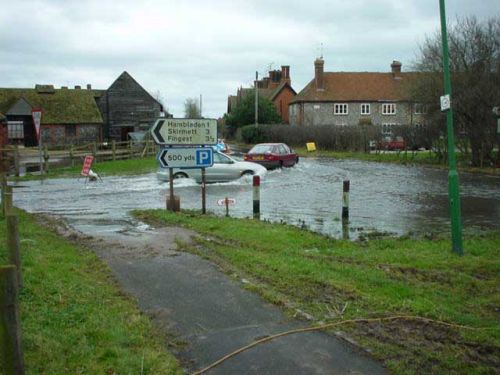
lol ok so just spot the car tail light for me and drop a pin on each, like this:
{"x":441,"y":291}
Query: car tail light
{"x":246,"y":157}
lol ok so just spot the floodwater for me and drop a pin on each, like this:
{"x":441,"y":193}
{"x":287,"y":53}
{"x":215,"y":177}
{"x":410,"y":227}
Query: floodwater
{"x":383,"y":197}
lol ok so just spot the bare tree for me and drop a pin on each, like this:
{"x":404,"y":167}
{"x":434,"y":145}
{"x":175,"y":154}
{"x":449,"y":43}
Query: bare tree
{"x":475,"y":73}
{"x":192,"y":108}
{"x":160,"y":99}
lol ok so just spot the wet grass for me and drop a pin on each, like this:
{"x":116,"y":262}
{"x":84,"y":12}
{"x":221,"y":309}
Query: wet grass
{"x":75,"y":320}
{"x":105,"y":168}
{"x":330,"y":280}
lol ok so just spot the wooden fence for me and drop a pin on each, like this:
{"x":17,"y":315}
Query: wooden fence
{"x":14,"y":158}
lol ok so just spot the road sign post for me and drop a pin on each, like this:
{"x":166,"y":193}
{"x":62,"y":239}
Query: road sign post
{"x":453,"y":190}
{"x":186,"y":139}
{"x":37,"y":114}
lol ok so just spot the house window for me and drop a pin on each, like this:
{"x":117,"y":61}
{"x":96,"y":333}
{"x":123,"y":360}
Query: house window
{"x":15,"y":129}
{"x":387,"y":129}
{"x":365,"y":109}
{"x":341,"y":109}
{"x":420,"y":108}
{"x":70,"y":131}
{"x":389,"y":108}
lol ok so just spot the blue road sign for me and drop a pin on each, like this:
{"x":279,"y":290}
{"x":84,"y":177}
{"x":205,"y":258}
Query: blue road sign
{"x":186,"y":157}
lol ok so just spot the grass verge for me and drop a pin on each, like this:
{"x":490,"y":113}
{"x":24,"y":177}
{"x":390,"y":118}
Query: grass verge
{"x":75,"y":320}
{"x":312,"y":275}
{"x":105,"y":168}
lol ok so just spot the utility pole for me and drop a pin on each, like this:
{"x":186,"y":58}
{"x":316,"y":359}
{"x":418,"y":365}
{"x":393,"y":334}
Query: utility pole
{"x":256,"y":99}
{"x":446,"y":105}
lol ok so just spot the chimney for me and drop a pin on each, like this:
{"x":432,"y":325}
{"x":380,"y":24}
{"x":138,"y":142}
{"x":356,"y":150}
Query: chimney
{"x":78,"y":87}
{"x":285,"y":73}
{"x":319,"y":64}
{"x":64,"y":87}
{"x":89,"y":86}
{"x":396,"y":68}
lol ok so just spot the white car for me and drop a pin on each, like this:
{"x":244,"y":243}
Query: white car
{"x":225,"y":169}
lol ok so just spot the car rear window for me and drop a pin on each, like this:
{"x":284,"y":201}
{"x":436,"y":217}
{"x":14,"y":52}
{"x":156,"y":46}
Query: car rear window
{"x":260,"y":149}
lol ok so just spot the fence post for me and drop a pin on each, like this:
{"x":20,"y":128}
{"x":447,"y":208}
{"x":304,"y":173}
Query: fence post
{"x":10,"y":323}
{"x":71,"y":156}
{"x":7,"y":198}
{"x":3,"y":183}
{"x":113,"y":149}
{"x":131,"y":150}
{"x":256,"y":197}
{"x":94,"y":151}
{"x":16,"y":160}
{"x":46,"y":159}
{"x":13,"y":245}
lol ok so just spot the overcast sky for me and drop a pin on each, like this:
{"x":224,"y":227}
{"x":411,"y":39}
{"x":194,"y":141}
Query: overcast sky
{"x":186,"y":48}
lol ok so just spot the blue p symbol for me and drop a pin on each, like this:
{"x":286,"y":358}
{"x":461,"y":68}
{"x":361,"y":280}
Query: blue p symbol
{"x":204,"y":157}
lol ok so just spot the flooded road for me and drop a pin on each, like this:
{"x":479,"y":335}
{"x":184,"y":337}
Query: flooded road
{"x":384,"y":197}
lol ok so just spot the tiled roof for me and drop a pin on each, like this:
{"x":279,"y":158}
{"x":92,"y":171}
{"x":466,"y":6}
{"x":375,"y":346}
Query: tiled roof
{"x":63,"y":106}
{"x":357,"y":86}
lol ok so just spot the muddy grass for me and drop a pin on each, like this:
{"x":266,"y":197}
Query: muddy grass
{"x":324,"y":280}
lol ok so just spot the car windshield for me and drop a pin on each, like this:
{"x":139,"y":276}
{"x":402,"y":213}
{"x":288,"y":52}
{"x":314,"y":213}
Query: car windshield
{"x":221,"y":159}
{"x":261,"y":149}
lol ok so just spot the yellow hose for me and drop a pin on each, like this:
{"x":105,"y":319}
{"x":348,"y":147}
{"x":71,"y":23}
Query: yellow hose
{"x":326,"y":326}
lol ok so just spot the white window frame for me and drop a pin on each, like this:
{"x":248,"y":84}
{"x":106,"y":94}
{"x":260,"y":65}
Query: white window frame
{"x":419,"y":109}
{"x":341,"y":109}
{"x":364,"y":106}
{"x":389,"y":109}
{"x":15,"y":130}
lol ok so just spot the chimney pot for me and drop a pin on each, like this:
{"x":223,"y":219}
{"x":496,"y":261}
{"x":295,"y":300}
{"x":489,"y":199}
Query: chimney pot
{"x":78,"y":87}
{"x":318,"y":73}
{"x":396,"y":67}
{"x":89,"y":86}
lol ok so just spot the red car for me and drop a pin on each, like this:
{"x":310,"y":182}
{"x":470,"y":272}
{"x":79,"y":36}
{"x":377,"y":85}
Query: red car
{"x":391,"y":144}
{"x":272,"y":155}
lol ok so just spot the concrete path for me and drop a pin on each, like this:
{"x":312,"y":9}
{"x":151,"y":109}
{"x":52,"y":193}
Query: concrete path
{"x":190,"y":298}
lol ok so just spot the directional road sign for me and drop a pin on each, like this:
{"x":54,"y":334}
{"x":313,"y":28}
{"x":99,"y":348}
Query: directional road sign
{"x":185,"y":132}
{"x":222,"y":202}
{"x":186,"y":157}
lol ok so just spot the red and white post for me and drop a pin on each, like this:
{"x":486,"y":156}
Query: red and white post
{"x":256,"y":197}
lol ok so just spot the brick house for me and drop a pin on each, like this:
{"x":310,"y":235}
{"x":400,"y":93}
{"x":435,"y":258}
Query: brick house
{"x":127,"y":107}
{"x":277,"y":87}
{"x":69,"y":115}
{"x":352,"y":98}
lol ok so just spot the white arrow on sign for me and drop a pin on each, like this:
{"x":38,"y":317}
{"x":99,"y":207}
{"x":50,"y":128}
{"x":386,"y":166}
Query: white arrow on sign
{"x":186,"y":157}
{"x":184,"y":132}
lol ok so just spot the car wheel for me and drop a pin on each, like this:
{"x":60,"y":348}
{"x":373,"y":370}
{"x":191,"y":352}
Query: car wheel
{"x":180,"y":175}
{"x":297,"y":160}
{"x":247,"y":173}
{"x":281,"y":164}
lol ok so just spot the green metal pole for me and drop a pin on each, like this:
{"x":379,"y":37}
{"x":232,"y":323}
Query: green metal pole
{"x":453,"y":190}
